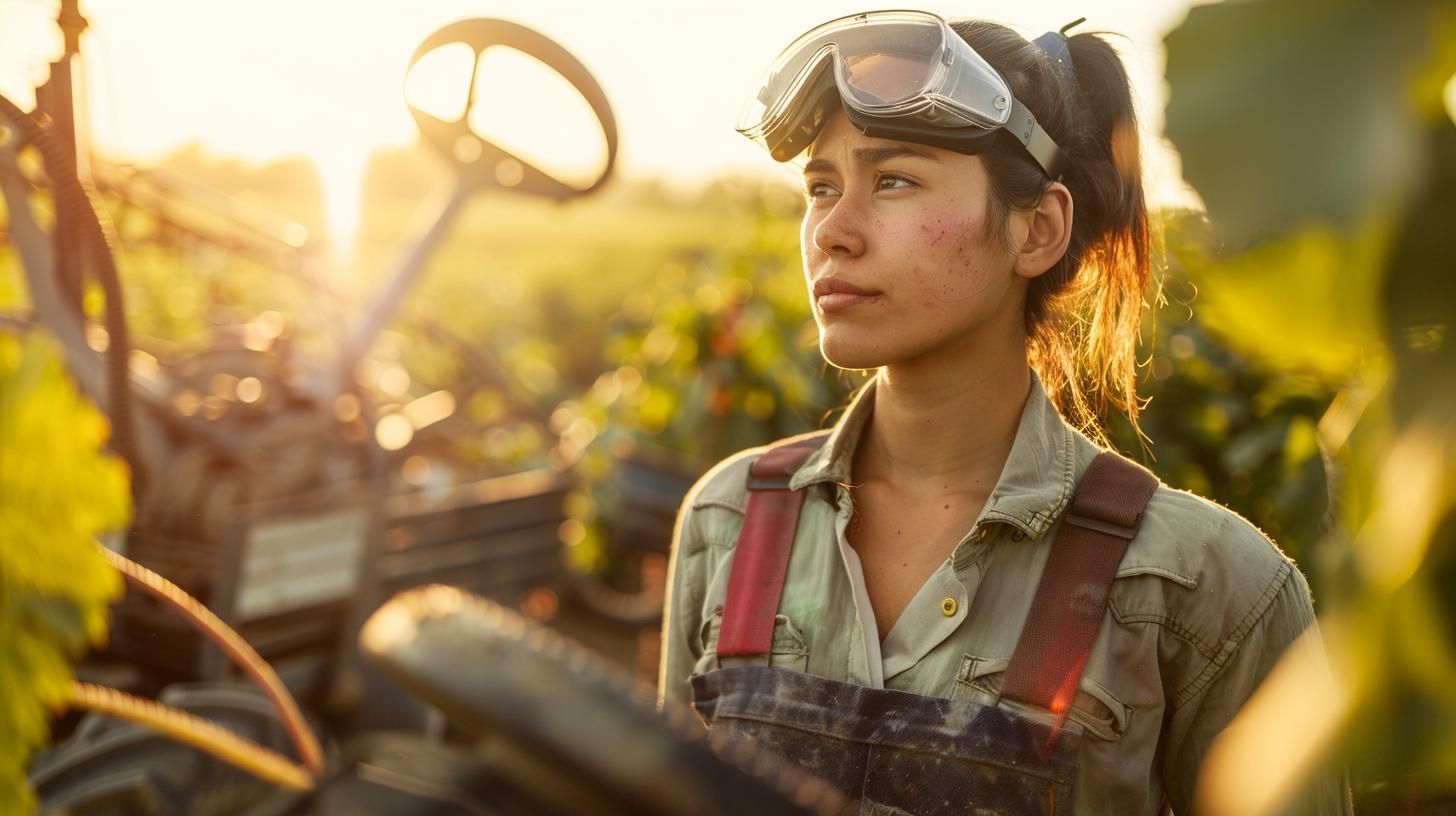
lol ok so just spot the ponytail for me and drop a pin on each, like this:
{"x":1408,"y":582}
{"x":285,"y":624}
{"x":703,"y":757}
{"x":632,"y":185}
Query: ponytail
{"x":1083,"y":315}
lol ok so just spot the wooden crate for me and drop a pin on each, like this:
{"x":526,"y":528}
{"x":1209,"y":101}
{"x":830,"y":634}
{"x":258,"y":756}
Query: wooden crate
{"x":296,"y":577}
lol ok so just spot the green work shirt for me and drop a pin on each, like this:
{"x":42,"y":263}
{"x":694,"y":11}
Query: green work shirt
{"x":1202,"y":606}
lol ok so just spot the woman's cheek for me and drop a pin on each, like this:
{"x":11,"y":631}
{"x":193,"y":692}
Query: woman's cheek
{"x":954,"y":275}
{"x":934,"y":233}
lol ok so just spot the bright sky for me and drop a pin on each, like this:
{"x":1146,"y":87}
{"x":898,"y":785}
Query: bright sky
{"x":265,"y":78}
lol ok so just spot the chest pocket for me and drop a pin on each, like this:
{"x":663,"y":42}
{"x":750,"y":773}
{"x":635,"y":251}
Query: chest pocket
{"x":1097,"y":710}
{"x":789,"y":650}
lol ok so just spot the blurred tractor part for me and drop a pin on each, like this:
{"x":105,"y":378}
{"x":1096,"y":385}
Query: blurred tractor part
{"x":284,"y":487}
{"x":270,"y":472}
{"x":110,"y":767}
{"x":565,"y":727}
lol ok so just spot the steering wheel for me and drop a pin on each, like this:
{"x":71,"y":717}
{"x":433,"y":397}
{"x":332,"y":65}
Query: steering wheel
{"x":479,"y":162}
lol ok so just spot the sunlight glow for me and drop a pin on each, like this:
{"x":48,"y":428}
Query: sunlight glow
{"x":1449,"y":97}
{"x":1394,"y":540}
{"x":274,"y":78}
{"x":1261,"y":758}
{"x":341,"y":172}
{"x":393,"y":432}
{"x":439,"y":83}
{"x":529,"y":110}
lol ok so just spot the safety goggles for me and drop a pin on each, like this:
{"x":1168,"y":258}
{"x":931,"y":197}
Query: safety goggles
{"x":903,"y":75}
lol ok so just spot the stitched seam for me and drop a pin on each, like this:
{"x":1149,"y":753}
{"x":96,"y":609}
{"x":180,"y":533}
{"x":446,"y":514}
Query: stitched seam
{"x":1069,"y":465}
{"x":1144,"y":569}
{"x":739,"y":508}
{"x":1040,"y":520}
{"x":1265,"y":601}
{"x":1025,"y":525}
{"x":1171,"y":625}
{"x":1235,"y":638}
{"x":1035,"y":523}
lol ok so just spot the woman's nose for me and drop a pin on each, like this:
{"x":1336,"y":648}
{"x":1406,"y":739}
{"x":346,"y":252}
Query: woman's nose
{"x":841,"y":230}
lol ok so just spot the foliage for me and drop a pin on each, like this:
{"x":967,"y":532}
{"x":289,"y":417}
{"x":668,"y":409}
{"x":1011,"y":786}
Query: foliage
{"x":1306,"y":334}
{"x":1317,"y":93}
{"x":716,"y":355}
{"x":289,"y":187}
{"x":58,"y":491}
{"x":538,"y":284}
{"x":669,"y":328}
{"x":727,"y":359}
{"x":1235,"y":428}
{"x":1328,"y":164}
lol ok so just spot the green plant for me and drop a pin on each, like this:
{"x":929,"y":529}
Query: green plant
{"x":1319,"y":137}
{"x":717,"y":354}
{"x":1223,"y":422}
{"x":58,"y":492}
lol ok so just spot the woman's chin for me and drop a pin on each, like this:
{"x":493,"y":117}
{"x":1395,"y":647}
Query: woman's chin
{"x":855,"y":356}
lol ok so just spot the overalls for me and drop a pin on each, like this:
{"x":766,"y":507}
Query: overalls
{"x":893,"y":752}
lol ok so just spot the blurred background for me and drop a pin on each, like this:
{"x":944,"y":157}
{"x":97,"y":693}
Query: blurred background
{"x":367,"y":348}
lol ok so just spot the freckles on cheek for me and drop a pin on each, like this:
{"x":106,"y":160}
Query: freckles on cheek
{"x":935,"y":232}
{"x":956,"y":272}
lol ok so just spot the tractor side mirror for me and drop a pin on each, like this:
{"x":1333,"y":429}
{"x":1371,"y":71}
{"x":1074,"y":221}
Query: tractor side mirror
{"x":510,"y":109}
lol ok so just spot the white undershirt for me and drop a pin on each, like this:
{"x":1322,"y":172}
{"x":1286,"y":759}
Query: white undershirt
{"x":861,"y":594}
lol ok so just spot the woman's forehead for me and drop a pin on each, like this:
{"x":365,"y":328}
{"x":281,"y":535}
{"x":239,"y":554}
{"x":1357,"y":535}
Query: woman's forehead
{"x":839,"y":132}
{"x":840,"y":140}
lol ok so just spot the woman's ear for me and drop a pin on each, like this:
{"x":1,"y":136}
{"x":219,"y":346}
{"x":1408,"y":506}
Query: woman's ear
{"x":1048,"y":231}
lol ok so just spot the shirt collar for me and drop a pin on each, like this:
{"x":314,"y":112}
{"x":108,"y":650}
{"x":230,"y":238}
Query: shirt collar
{"x":1035,"y":483}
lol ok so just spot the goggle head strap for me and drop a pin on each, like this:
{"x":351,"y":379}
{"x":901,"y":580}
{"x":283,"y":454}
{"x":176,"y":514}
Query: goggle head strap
{"x":1024,"y":127}
{"x":1021,"y":126}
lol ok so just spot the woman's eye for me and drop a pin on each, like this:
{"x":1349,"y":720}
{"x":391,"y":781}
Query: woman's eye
{"x":888,"y":182}
{"x":817,"y":189}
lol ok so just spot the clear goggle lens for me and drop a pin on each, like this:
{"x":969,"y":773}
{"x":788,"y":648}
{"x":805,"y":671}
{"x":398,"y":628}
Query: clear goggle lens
{"x":887,"y":64}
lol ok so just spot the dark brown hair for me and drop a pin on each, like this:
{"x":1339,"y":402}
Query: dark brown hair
{"x":1083,"y":314}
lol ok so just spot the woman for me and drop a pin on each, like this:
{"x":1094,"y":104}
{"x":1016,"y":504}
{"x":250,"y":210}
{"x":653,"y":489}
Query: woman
{"x":892,"y":616}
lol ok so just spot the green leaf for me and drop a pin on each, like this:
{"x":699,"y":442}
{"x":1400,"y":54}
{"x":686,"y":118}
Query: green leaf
{"x":1291,"y":111}
{"x":58,"y":492}
{"x":1309,"y":302}
{"x":1419,"y":300}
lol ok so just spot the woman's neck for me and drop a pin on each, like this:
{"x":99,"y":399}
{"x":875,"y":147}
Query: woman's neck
{"x":940,"y":432}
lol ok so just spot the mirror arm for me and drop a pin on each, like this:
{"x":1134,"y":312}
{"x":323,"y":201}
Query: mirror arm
{"x":391,"y":295}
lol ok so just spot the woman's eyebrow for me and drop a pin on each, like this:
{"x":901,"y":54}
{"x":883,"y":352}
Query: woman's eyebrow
{"x":875,"y":155}
{"x":818,"y":166}
{"x":872,"y":155}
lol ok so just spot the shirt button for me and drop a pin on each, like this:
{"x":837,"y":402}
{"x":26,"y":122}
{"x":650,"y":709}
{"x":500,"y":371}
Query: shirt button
{"x":948,"y":607}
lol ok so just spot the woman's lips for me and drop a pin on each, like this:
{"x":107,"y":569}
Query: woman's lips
{"x":834,"y":295}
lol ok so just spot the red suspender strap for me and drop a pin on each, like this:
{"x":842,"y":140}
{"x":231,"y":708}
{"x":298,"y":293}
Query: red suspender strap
{"x":761,"y":558}
{"x":1067,"y":610}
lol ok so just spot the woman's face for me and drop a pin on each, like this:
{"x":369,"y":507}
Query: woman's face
{"x":897,"y":253}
